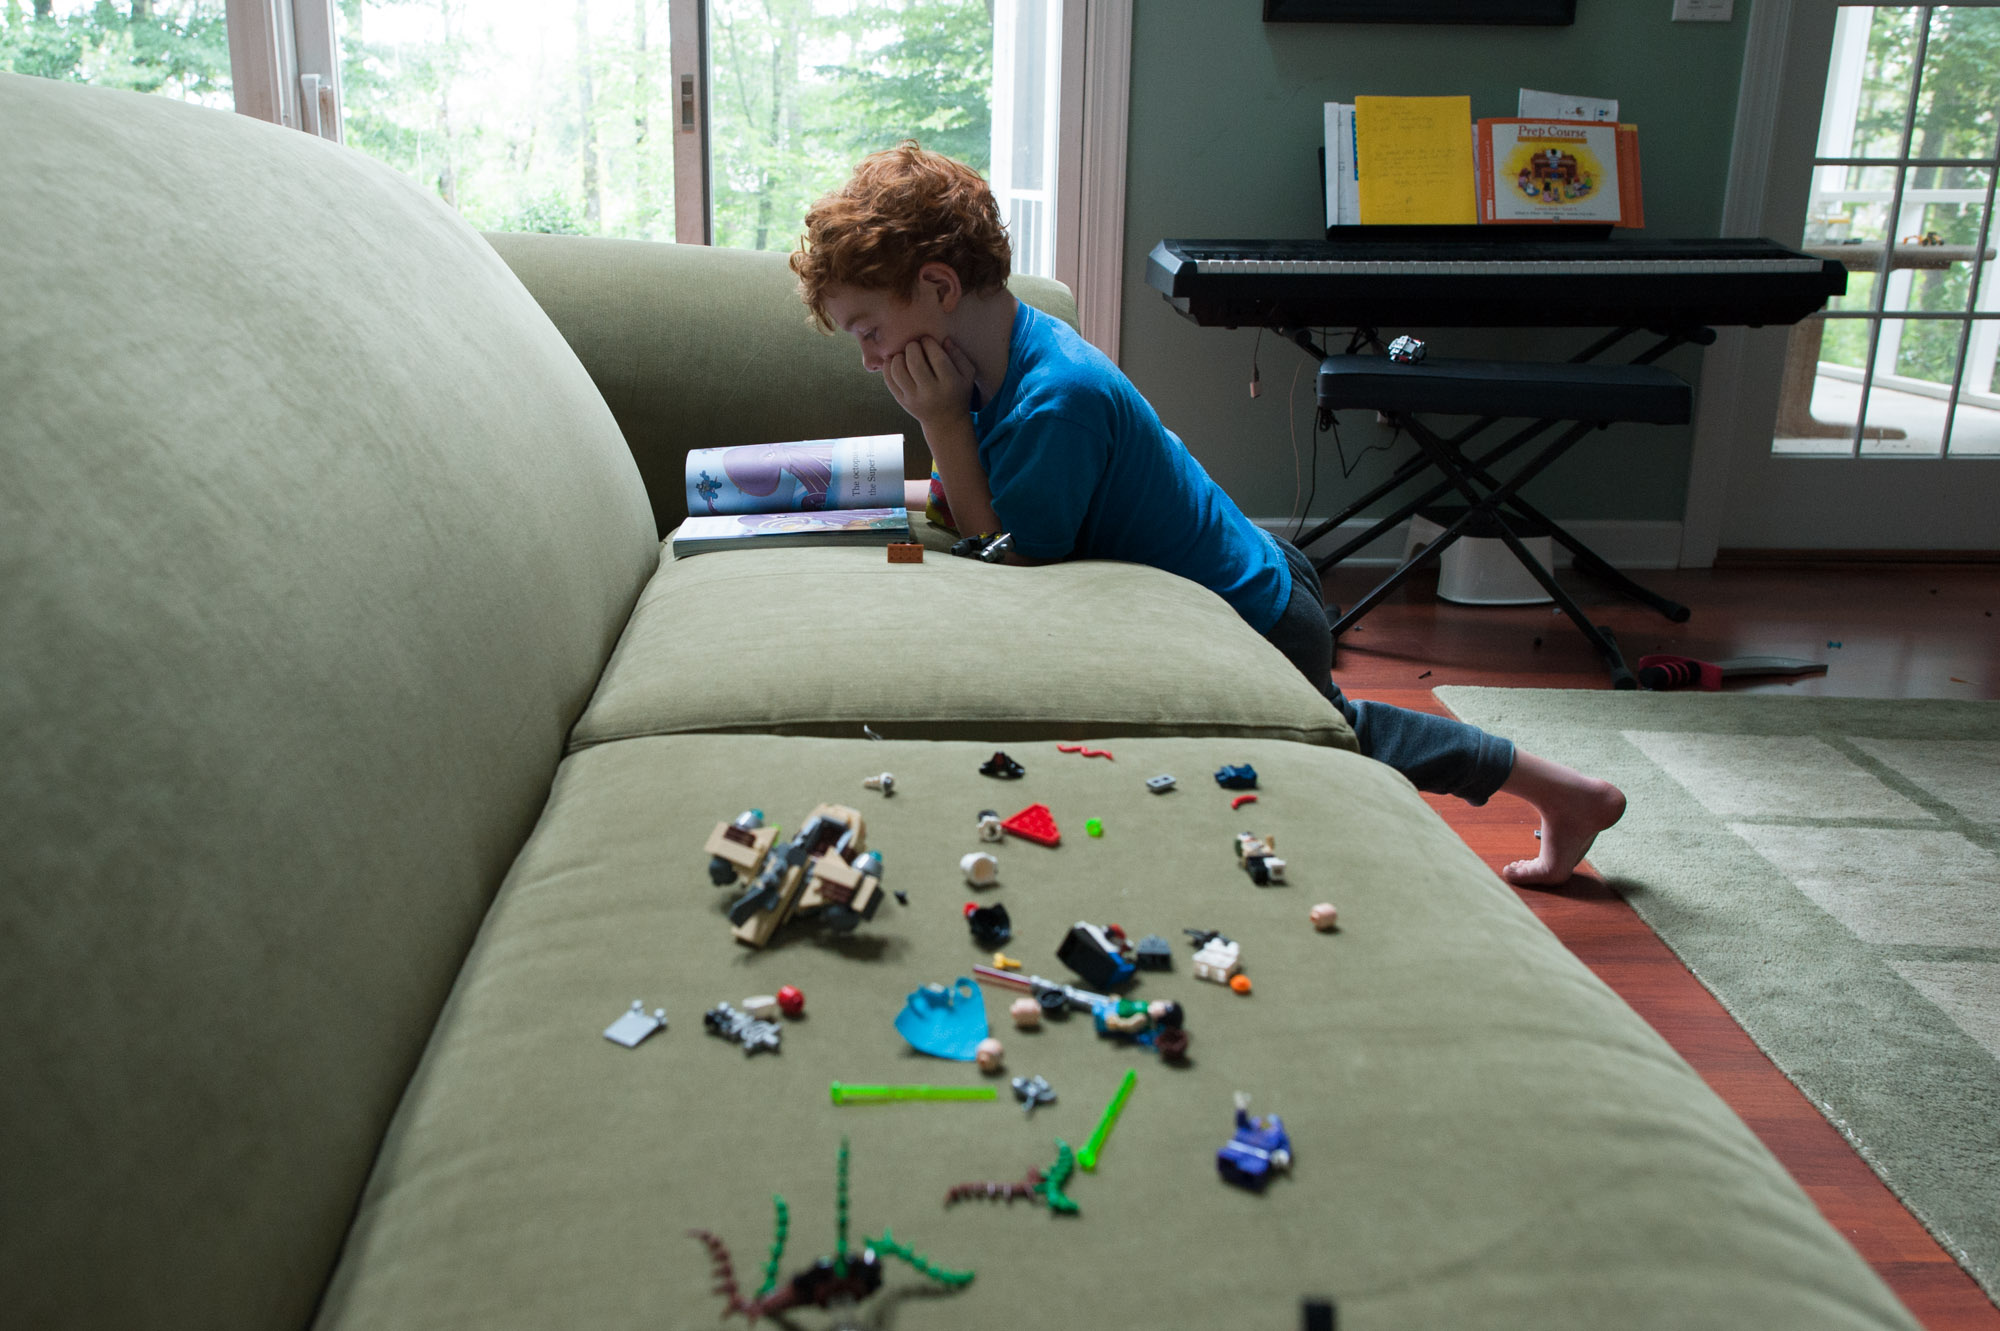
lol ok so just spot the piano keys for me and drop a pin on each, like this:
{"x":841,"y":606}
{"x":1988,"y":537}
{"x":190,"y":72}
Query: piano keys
{"x":1470,"y":283}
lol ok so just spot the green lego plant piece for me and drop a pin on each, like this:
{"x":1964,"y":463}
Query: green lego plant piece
{"x":953,"y":1279}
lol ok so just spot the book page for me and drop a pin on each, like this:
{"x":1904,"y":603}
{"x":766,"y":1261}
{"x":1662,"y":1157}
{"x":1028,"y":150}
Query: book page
{"x":804,"y":476}
{"x":1415,"y":160}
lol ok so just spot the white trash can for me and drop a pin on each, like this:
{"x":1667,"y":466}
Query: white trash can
{"x":1479,"y":569}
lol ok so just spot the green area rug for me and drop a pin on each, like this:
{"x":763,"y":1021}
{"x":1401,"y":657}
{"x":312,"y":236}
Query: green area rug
{"x":1830,"y":869}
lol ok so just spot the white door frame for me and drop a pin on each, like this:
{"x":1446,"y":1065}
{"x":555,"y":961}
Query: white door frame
{"x":284,"y":63}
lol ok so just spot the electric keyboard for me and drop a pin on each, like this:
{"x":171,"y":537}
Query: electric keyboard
{"x":1469,"y":283}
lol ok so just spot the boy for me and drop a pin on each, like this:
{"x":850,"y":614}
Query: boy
{"x":1036,"y":433}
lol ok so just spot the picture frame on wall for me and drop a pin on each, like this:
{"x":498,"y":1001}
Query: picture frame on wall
{"x":1548,"y":13}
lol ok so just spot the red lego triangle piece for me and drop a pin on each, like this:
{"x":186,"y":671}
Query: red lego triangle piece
{"x":1035,"y":823}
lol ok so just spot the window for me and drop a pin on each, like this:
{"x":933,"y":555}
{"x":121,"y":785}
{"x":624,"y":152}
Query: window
{"x":178,"y":48}
{"x":1903,"y":365}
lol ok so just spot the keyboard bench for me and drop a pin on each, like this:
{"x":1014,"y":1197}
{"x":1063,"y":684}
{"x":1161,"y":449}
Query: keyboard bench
{"x":1585,"y":396}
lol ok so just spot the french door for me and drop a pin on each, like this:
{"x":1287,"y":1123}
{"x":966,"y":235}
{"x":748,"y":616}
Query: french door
{"x":1868,"y":134}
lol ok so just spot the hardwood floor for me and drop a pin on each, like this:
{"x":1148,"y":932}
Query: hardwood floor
{"x":1887,"y":631}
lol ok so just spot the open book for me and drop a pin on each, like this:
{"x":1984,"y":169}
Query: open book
{"x":809,"y":492}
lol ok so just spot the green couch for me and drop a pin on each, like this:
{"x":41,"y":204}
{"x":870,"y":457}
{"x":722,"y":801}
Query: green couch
{"x":360,"y":748}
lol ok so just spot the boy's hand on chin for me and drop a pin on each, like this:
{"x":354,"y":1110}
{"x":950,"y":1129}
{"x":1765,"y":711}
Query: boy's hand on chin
{"x":931,"y":380}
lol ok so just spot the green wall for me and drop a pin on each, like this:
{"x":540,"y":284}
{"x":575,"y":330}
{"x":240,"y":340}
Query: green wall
{"x":1225,"y":129}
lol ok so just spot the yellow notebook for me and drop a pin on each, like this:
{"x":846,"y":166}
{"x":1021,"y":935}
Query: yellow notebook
{"x":1415,"y":155}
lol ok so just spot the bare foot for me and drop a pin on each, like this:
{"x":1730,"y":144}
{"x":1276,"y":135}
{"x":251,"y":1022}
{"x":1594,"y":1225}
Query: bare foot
{"x":1574,"y":809}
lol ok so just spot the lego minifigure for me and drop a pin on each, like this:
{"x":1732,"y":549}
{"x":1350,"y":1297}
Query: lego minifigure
{"x":1259,"y":1148}
{"x":1259,"y":858}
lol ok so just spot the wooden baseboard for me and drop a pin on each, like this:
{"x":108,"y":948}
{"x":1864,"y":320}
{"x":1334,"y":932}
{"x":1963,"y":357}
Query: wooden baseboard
{"x":1760,"y":558}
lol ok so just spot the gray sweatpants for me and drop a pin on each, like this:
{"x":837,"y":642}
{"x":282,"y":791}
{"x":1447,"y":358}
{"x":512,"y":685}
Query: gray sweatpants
{"x":1438,"y":754}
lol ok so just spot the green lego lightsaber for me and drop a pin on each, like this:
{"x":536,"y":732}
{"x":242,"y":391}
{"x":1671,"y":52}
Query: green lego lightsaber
{"x":847,"y":1095}
{"x":1087,"y":1157}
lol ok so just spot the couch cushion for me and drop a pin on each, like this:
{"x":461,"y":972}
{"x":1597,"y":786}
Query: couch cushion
{"x":314,"y":539}
{"x":793,"y":642}
{"x":1484,"y":1135}
{"x":695,"y":346}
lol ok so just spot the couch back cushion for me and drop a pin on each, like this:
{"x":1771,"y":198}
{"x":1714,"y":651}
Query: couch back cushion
{"x":314,"y":538}
{"x":695,"y":347}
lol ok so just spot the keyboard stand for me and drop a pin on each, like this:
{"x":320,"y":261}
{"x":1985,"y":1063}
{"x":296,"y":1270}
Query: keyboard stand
{"x":1583,"y":397}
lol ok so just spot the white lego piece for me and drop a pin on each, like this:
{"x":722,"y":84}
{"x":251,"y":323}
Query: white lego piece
{"x":764,"y":1007}
{"x":1218,"y":959}
{"x":635,"y":1025}
{"x":980,"y":869}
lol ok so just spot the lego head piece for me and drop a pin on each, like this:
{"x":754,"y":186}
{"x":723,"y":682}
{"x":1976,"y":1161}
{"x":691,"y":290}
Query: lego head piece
{"x":903,"y":208}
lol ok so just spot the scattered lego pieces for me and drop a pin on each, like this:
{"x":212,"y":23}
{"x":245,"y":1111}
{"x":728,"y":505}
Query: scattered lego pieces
{"x":1089,"y":950}
{"x":764,"y":1007}
{"x":1034,"y":823}
{"x":1241,"y":776}
{"x":1027,"y":1014}
{"x":989,"y":825}
{"x":1241,"y":800}
{"x":1005,"y":962}
{"x":1239,"y":983}
{"x":991,"y":1190}
{"x":1324,"y":916}
{"x":886,"y":783}
{"x":944,"y":1023}
{"x":1032,"y":1091}
{"x":635,"y":1025}
{"x":791,"y":1001}
{"x":1087,"y":1157}
{"x":1258,"y":857}
{"x":1160,"y":784}
{"x":989,"y":924}
{"x":727,"y":1023}
{"x":738,"y":846}
{"x":1093,"y":827}
{"x":980,"y":869}
{"x":1153,"y":954}
{"x":1157,"y":1024}
{"x":1218,"y":959}
{"x":1002,"y":766}
{"x":1259,"y":1147}
{"x":906,"y":552}
{"x":989,"y":1054}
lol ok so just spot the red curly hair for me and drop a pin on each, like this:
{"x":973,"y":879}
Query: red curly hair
{"x":904,"y":207}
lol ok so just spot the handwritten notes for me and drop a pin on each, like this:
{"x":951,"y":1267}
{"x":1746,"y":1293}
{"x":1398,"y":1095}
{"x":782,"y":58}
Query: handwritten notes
{"x":1416,"y":160}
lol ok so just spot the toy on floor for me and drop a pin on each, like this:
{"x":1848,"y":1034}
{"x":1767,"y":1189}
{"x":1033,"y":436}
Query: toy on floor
{"x":1260,"y":1147}
{"x":990,"y":925}
{"x":841,"y":1278}
{"x":1324,"y":916}
{"x":980,"y":868}
{"x":1682,"y":672}
{"x":842,"y":1094}
{"x":1002,"y":766}
{"x":825,"y":871}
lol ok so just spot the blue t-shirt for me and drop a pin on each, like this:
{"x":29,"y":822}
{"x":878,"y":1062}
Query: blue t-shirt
{"x":1081,"y":468}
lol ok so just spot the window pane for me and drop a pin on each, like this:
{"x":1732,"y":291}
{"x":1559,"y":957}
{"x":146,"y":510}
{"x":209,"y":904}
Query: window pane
{"x":1938,"y":231}
{"x":1868,"y":82}
{"x":1905,"y":415}
{"x":522,"y":116}
{"x":1955,"y":107}
{"x":175,"y":47}
{"x":1847,"y":219}
{"x":799,"y":90}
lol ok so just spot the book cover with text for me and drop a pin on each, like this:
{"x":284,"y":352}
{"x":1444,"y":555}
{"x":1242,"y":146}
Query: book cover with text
{"x":1558,"y":171}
